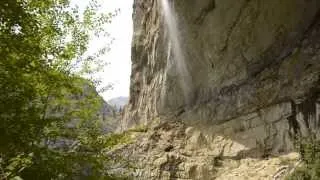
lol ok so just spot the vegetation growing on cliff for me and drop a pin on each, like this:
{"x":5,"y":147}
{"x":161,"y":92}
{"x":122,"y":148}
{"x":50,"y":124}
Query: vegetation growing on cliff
{"x":309,"y":149}
{"x":43,"y":102}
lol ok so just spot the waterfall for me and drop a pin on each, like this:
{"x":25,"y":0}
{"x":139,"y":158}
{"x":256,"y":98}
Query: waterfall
{"x":178,"y":54}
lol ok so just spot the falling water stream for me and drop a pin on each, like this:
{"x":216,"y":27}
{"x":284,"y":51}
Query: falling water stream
{"x":178,"y":54}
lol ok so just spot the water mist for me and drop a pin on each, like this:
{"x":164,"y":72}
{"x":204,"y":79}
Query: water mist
{"x":178,"y":54}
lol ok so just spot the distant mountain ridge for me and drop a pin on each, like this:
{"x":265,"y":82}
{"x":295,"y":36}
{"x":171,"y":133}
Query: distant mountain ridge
{"x":118,"y":102}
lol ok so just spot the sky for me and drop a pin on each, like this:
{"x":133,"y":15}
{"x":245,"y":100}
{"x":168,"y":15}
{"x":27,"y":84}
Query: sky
{"x":119,"y":57}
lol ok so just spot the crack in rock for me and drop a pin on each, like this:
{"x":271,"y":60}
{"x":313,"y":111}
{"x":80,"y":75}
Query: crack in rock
{"x":205,"y":11}
{"x":234,"y":24}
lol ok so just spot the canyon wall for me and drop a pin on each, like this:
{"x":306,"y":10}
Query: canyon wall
{"x":254,"y":68}
{"x":224,"y":87}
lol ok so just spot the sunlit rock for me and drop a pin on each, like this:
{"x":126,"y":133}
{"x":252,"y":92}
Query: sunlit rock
{"x":232,"y":82}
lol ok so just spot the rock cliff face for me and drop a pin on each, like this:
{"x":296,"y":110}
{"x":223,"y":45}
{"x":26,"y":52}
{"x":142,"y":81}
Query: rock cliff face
{"x":253,"y":67}
{"x":247,"y":59}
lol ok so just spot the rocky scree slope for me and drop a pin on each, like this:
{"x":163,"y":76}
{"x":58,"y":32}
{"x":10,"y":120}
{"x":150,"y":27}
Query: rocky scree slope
{"x":173,"y":150}
{"x":255,"y":69}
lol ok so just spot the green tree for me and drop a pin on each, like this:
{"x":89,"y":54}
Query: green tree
{"x":309,"y":149}
{"x":43,"y":48}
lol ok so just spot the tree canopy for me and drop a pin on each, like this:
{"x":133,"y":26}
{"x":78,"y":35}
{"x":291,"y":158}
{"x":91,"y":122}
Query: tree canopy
{"x":43,"y":47}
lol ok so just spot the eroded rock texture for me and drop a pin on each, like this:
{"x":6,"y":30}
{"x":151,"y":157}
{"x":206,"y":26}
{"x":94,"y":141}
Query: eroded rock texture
{"x":254,"y":64}
{"x":242,"y":56}
{"x":173,"y":150}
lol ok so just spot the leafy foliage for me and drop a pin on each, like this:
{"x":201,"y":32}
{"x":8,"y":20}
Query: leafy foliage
{"x":43,"y":47}
{"x":309,"y":149}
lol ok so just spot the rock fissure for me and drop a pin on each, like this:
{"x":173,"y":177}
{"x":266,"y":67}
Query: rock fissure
{"x":206,"y":10}
{"x":234,"y":24}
